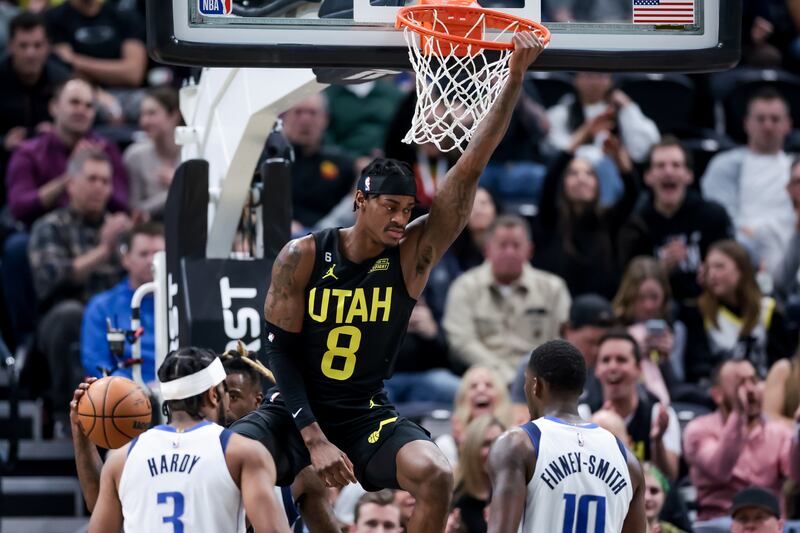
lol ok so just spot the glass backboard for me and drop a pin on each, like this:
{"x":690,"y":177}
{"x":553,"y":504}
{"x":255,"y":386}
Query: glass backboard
{"x":607,"y":35}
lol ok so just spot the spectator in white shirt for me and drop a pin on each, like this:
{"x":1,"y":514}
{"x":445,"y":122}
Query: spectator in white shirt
{"x":750,"y":181}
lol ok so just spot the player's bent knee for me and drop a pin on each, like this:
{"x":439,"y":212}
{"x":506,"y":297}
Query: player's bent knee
{"x":436,"y":482}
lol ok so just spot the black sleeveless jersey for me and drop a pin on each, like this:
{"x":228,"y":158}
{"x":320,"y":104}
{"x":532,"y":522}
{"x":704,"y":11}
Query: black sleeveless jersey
{"x":356,"y":316}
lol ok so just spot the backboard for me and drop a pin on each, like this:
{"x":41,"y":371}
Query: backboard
{"x":609,"y":35}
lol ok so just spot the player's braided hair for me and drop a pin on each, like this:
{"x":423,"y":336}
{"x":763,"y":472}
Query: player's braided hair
{"x":246,"y":363}
{"x":181,"y":363}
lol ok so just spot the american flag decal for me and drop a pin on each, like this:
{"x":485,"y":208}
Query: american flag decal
{"x":663,"y":11}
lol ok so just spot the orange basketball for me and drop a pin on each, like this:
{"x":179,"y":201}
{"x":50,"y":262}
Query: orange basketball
{"x":113,"y":411}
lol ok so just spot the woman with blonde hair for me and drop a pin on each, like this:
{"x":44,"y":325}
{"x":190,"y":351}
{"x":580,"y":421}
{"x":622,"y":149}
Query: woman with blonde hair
{"x":473,"y":486}
{"x":733,"y":320}
{"x":481,"y":391}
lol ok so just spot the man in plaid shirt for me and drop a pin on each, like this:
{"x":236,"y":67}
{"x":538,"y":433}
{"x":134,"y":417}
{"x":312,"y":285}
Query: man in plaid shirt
{"x":73,"y":255}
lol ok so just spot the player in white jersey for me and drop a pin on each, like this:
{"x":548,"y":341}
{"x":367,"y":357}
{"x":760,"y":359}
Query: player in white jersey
{"x":191,"y":475}
{"x":559,"y":473}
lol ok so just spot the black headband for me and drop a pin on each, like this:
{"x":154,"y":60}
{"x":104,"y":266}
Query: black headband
{"x":400,"y":184}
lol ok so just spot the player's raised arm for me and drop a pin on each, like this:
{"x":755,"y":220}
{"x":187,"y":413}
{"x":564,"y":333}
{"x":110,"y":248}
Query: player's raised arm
{"x":636,"y":520}
{"x":511,"y":465}
{"x":453,"y":202}
{"x":283,"y":312}
{"x":107,"y":513}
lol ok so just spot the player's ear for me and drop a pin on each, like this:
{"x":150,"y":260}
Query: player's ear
{"x":360,"y":199}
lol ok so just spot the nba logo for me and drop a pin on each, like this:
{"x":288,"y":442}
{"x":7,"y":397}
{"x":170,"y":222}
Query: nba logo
{"x":214,"y":7}
{"x":366,"y":184}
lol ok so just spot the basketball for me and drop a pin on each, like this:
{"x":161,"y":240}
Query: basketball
{"x":113,"y":411}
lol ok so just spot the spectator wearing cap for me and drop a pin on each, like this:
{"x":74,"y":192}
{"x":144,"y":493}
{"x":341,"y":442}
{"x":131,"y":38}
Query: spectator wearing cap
{"x":674,"y":224}
{"x":755,"y":510}
{"x":590,"y":316}
{"x":652,"y":425}
{"x":736,"y":446}
{"x":750,"y":181}
{"x":496,"y":312}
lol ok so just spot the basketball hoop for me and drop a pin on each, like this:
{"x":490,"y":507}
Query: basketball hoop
{"x":456,"y":80}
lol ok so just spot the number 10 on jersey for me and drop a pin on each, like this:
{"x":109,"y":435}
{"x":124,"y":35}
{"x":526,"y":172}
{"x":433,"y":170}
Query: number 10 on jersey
{"x":335,"y":350}
{"x":583,"y":503}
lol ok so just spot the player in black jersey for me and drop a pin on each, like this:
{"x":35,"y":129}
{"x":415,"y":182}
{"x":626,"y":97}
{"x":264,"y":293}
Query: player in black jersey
{"x":337,"y":310}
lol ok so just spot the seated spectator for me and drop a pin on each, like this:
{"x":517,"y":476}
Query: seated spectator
{"x":27,"y":81}
{"x":114,"y":306}
{"x":376,"y":511}
{"x":151,"y":163}
{"x":736,"y":446}
{"x":73,"y":256}
{"x":750,"y":181}
{"x":599,"y":104}
{"x":643,"y":303}
{"x":421,"y":373}
{"x":755,"y":509}
{"x":481,"y":392}
{"x":243,"y":382}
{"x":657,"y":487}
{"x":99,"y":41}
{"x":36,"y":179}
{"x":497,"y":311}
{"x":360,"y":116}
{"x":36,"y":182}
{"x":733,"y":320}
{"x":322,"y":175}
{"x":782,"y":391}
{"x":653,"y":427}
{"x":574,"y":236}
{"x":473,"y":487}
{"x":675,"y":224}
{"x":590,"y":316}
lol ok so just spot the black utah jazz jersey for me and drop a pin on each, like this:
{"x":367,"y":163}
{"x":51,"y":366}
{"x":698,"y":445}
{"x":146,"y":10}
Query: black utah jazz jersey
{"x":356,"y":317}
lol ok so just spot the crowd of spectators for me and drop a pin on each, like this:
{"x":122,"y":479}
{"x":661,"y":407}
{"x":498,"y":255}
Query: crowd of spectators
{"x":674,"y":270}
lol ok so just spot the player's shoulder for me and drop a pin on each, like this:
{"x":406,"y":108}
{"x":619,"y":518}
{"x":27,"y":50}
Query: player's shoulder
{"x":515,"y":440}
{"x":296,"y":255}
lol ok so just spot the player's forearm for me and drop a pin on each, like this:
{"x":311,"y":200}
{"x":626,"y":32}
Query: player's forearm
{"x":794,"y":456}
{"x":490,"y":132}
{"x":280,"y":351}
{"x":88,"y":465}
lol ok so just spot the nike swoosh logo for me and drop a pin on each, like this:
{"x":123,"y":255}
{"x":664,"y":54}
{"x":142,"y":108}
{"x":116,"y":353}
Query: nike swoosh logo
{"x":294,"y":415}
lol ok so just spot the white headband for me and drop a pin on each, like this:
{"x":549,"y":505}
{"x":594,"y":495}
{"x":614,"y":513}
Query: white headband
{"x":194,"y":384}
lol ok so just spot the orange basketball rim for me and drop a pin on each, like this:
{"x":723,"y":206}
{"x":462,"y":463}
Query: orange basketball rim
{"x":458,"y":26}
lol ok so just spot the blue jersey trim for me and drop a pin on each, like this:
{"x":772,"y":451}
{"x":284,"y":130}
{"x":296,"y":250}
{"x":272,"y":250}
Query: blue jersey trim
{"x":224,"y":437}
{"x":289,"y":507}
{"x":622,"y":450}
{"x":587,"y":425}
{"x":171,"y":429}
{"x":133,"y":443}
{"x":534,"y":433}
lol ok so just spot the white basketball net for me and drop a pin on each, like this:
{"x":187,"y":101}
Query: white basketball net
{"x":453,"y":93}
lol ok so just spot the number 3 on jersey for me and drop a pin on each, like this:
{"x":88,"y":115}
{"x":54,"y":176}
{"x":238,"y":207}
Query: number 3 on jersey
{"x":177,"y":510}
{"x":335,"y":350}
{"x":582,"y":525}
